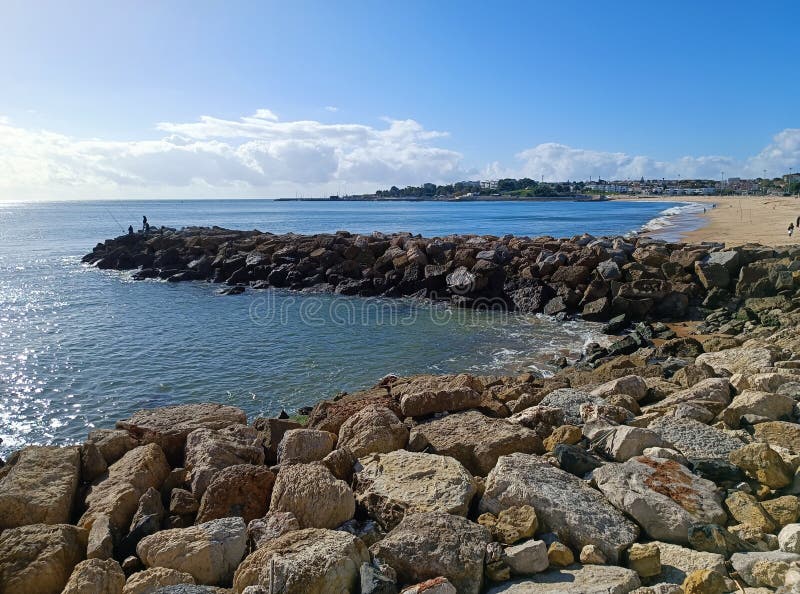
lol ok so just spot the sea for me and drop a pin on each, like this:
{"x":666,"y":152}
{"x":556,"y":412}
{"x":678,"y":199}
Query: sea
{"x":81,"y":348}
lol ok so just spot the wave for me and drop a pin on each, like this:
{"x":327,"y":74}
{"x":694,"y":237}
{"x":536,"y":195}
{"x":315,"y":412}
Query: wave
{"x":671,"y":217}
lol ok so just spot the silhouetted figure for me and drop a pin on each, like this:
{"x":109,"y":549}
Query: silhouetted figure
{"x":791,"y":229}
{"x":797,"y":223}
{"x":144,"y":222}
{"x":130,"y":229}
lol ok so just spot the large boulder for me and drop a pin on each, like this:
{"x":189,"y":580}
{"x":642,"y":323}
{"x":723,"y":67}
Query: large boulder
{"x":713,"y":393}
{"x":763,"y":569}
{"x":39,"y":486}
{"x":329,"y":415}
{"x":763,"y":404}
{"x":394,"y":484}
{"x":305,"y":445}
{"x":677,"y":562}
{"x":112,"y":443}
{"x":664,"y":497}
{"x":586,"y":579}
{"x":779,"y":433}
{"x":241,"y":490}
{"x":97,"y":576}
{"x":694,"y":439}
{"x":425,"y":395}
{"x":564,"y":504}
{"x":373,"y":430}
{"x":763,"y":464}
{"x":474,"y":439}
{"x":745,"y":359}
{"x":432,"y":544}
{"x":624,"y":442}
{"x":569,"y":400}
{"x":117,"y":497}
{"x":631,"y":385}
{"x":151,"y":580}
{"x":210,"y":450}
{"x":170,"y":425}
{"x":39,"y":558}
{"x":315,"y":497}
{"x":209,"y":552}
{"x":309,"y":561}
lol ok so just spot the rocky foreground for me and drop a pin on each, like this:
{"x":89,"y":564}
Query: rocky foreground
{"x":655,"y":465}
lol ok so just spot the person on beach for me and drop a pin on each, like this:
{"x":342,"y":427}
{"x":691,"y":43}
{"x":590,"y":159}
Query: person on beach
{"x":791,"y":229}
{"x":130,"y":229}
{"x":797,"y":223}
{"x":144,"y":223}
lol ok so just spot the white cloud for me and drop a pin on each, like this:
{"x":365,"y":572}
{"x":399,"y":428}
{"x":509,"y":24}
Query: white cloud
{"x":260,"y":155}
{"x":331,"y":108}
{"x":257,"y":155}
{"x":561,"y":162}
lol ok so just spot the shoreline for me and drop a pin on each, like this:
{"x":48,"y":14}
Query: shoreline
{"x":478,"y":483}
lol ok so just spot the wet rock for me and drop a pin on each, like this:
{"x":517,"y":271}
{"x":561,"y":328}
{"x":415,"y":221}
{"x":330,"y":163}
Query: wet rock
{"x":433,"y":544}
{"x":39,"y":486}
{"x":96,"y":576}
{"x":242,"y":490}
{"x":39,"y":558}
{"x":474,"y":439}
{"x":169,"y":426}
{"x":373,"y":430}
{"x":398,"y":483}
{"x":210,"y":450}
{"x":209,"y":552}
{"x":664,"y":497}
{"x":564,"y":504}
{"x":117,"y":496}
{"x":313,"y":495}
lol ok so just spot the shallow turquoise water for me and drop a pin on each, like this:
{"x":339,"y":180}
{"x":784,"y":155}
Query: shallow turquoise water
{"x":81,"y":348}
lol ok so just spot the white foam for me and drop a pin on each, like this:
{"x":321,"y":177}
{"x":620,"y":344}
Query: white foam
{"x":666,"y":218}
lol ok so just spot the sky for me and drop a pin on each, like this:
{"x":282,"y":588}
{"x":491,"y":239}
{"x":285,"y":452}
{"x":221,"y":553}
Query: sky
{"x":178,"y":99}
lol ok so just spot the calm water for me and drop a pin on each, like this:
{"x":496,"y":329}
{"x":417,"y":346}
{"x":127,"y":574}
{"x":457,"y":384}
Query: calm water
{"x":81,"y":348}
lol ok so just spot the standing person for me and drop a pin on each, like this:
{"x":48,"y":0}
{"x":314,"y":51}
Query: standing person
{"x":144,"y":223}
{"x":130,"y":229}
{"x":797,"y":223}
{"x":791,"y":229}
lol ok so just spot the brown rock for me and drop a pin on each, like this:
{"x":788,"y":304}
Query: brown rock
{"x":313,"y":495}
{"x":373,"y":430}
{"x":210,"y":450}
{"x":425,"y":395}
{"x":329,"y":415}
{"x":96,"y":576}
{"x":305,"y":445}
{"x":242,"y":490}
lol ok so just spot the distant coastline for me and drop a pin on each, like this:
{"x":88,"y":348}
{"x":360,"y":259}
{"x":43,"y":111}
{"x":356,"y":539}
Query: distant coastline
{"x":493,"y":198}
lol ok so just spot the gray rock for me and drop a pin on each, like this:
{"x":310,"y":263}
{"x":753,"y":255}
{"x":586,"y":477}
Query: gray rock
{"x":432,"y":544}
{"x":664,"y":497}
{"x":587,"y":579}
{"x":569,"y":400}
{"x":694,"y":439}
{"x":677,"y":562}
{"x":747,"y":565}
{"x":527,"y":557}
{"x":564,"y":504}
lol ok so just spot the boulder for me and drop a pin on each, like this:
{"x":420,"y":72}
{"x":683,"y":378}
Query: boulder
{"x":784,"y":510}
{"x":117,"y":497}
{"x":511,"y":524}
{"x":560,"y":555}
{"x":623,"y":442}
{"x":747,"y":510}
{"x":151,"y":580}
{"x":644,"y":559}
{"x":746,"y":360}
{"x":764,"y":404}
{"x":96,"y":576}
{"x":586,"y":579}
{"x":112,"y":443}
{"x":677,"y":562}
{"x":564,"y":504}
{"x":315,"y":497}
{"x":210,"y":450}
{"x":209,"y":552}
{"x":631,"y":385}
{"x":527,"y":557}
{"x":713,"y":393}
{"x":398,"y":483}
{"x":263,"y":530}
{"x":329,"y":415}
{"x":664,"y":497}
{"x":569,"y":400}
{"x":39,"y":486}
{"x":763,"y":464}
{"x":565,"y":434}
{"x":39,"y":558}
{"x":170,"y":425}
{"x":439,"y":585}
{"x":425,"y":395}
{"x":704,"y":581}
{"x":694,"y":439}
{"x":272,"y":432}
{"x":763,"y":569}
{"x":310,"y":561}
{"x":432,"y":544}
{"x":789,"y":538}
{"x":305,"y":445}
{"x":474,"y":439}
{"x":241,"y":490}
{"x":373,"y":430}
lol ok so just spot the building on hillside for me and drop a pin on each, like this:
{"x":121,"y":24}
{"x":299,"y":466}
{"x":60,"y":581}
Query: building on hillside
{"x":489,"y":184}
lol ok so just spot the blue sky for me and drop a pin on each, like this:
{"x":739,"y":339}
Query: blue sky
{"x":105,"y":99}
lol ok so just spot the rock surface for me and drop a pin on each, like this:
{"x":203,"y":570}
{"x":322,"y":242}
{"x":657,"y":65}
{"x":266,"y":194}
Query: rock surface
{"x":588,"y":579}
{"x":564,"y":504}
{"x":96,"y":576}
{"x":373,"y":430}
{"x":315,"y":497}
{"x":310,"y":561}
{"x":241,"y":490}
{"x":398,"y":483}
{"x":433,"y":544}
{"x":39,"y":487}
{"x":210,"y":450}
{"x":209,"y":552}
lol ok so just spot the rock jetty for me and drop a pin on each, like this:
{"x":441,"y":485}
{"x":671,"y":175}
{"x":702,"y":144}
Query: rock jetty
{"x":667,"y":466}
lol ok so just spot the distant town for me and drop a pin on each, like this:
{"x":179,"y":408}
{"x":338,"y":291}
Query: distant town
{"x":530,"y":189}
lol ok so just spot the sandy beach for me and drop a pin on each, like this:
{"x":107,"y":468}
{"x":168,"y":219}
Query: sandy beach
{"x":737,"y":220}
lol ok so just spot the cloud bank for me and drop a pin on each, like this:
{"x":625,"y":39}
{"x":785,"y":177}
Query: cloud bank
{"x":261,"y":155}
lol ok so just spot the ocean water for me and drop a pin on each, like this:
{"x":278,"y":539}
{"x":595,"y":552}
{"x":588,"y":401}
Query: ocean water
{"x":81,"y":348}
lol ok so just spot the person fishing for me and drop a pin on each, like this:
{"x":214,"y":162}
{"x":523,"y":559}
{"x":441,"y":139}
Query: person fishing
{"x":144,"y":223}
{"x":130,"y":229}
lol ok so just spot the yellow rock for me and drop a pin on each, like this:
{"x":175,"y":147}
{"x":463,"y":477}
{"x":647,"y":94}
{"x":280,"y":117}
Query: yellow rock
{"x":560,"y":555}
{"x":704,"y":581}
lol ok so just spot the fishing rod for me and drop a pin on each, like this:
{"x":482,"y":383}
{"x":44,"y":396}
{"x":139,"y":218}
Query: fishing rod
{"x":115,"y":219}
